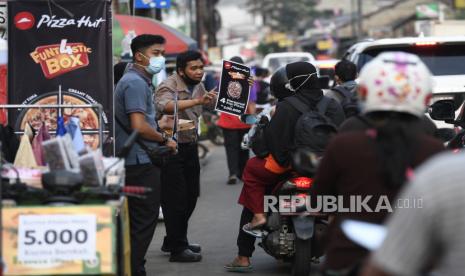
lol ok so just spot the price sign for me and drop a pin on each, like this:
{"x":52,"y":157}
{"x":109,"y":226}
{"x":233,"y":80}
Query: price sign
{"x":56,"y":238}
{"x":234,"y":91}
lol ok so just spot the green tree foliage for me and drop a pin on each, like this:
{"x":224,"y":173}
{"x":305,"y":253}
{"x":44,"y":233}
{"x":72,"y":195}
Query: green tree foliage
{"x":285,"y":15}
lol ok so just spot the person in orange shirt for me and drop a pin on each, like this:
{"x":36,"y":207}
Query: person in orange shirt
{"x":233,"y":132}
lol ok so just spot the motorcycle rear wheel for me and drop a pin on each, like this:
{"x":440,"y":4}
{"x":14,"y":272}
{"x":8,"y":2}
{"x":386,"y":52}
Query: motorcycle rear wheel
{"x":215,"y":135}
{"x":301,"y":265}
{"x":203,"y":150}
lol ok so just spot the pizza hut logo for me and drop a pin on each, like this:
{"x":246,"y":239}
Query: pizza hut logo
{"x":24,"y":21}
{"x":60,"y":23}
{"x":227,"y":65}
{"x":58,"y":59}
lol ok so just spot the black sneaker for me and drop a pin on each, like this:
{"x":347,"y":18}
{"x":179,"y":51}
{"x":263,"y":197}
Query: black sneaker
{"x":186,"y":256}
{"x":232,"y":180}
{"x":192,"y":246}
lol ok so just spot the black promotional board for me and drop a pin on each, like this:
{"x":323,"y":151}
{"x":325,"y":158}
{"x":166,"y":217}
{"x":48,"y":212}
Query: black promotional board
{"x":234,"y":90}
{"x":60,"y":46}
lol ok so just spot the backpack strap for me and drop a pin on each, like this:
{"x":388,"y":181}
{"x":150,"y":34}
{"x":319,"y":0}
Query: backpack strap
{"x":323,"y":104}
{"x":300,"y":106}
{"x":343,"y":91}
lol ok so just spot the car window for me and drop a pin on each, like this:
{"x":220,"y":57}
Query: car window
{"x":440,"y":59}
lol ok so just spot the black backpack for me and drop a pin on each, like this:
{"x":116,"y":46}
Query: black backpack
{"x":313,"y":129}
{"x":258,"y":141}
{"x":349,"y":101}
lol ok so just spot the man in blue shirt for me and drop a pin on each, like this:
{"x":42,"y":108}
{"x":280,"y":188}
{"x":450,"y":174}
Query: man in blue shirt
{"x":135,"y":110}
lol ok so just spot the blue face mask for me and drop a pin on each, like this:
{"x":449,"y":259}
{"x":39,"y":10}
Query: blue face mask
{"x":156,"y":64}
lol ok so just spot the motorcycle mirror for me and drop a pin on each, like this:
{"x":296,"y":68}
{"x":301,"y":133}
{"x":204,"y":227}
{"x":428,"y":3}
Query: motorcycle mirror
{"x":249,"y":119}
{"x":128,"y":144}
{"x":442,"y":110}
{"x":368,"y":235}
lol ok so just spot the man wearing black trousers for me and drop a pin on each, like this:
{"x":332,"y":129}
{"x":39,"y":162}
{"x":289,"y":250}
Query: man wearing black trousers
{"x":134,"y":110}
{"x":181,"y":172}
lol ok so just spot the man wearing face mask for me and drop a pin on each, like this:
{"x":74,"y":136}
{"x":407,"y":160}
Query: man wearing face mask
{"x":134,"y":110}
{"x":181,"y":172}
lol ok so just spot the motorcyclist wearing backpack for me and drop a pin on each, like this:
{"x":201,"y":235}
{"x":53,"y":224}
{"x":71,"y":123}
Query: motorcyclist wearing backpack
{"x":345,"y":90}
{"x":260,"y":173}
{"x":374,"y":163}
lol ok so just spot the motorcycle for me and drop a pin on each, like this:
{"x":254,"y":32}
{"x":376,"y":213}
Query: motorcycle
{"x":62,"y":208}
{"x":292,"y":234}
{"x":209,"y":128}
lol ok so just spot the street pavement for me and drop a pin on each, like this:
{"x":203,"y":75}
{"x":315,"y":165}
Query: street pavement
{"x":214,"y":225}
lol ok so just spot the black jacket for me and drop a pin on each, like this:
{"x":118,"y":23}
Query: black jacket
{"x":279,"y":134}
{"x":359,"y":123}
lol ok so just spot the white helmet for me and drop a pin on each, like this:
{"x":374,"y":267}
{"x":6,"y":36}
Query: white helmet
{"x":395,"y":81}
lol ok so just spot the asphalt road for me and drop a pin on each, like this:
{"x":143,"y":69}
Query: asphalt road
{"x":214,"y":225}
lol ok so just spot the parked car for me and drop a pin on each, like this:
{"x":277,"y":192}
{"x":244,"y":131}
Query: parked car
{"x":444,"y":56}
{"x":275,"y":60}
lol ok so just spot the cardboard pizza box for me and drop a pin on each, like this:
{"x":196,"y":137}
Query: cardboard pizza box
{"x":185,"y":125}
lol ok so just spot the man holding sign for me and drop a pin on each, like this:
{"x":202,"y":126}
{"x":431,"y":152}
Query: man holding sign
{"x":184,"y":94}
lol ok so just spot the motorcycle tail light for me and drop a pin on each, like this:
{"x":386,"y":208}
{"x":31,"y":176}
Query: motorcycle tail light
{"x":302,"y":182}
{"x":138,"y":190}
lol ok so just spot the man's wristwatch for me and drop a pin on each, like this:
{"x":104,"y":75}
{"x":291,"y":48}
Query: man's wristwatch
{"x":165,"y":137}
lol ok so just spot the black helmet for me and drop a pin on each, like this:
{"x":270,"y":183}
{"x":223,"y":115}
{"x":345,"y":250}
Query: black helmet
{"x":278,"y":84}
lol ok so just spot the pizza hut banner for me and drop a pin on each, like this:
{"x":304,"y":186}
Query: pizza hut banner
{"x":61,"y":43}
{"x":234,"y":90}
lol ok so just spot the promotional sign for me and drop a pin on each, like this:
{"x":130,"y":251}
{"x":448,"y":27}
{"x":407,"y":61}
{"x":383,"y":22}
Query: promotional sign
{"x":56,"y":237}
{"x":66,"y":240}
{"x":234,"y":90}
{"x":61,"y":53}
{"x":150,"y":4}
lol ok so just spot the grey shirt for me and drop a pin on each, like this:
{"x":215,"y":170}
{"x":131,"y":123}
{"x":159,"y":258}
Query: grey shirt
{"x":175,"y":85}
{"x":134,"y":93}
{"x":435,"y":232}
{"x":350,"y":85}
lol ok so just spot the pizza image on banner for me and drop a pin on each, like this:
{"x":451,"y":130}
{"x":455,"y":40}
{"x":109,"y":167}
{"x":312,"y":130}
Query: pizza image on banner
{"x":58,"y":59}
{"x":234,"y":91}
{"x":88,"y":117}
